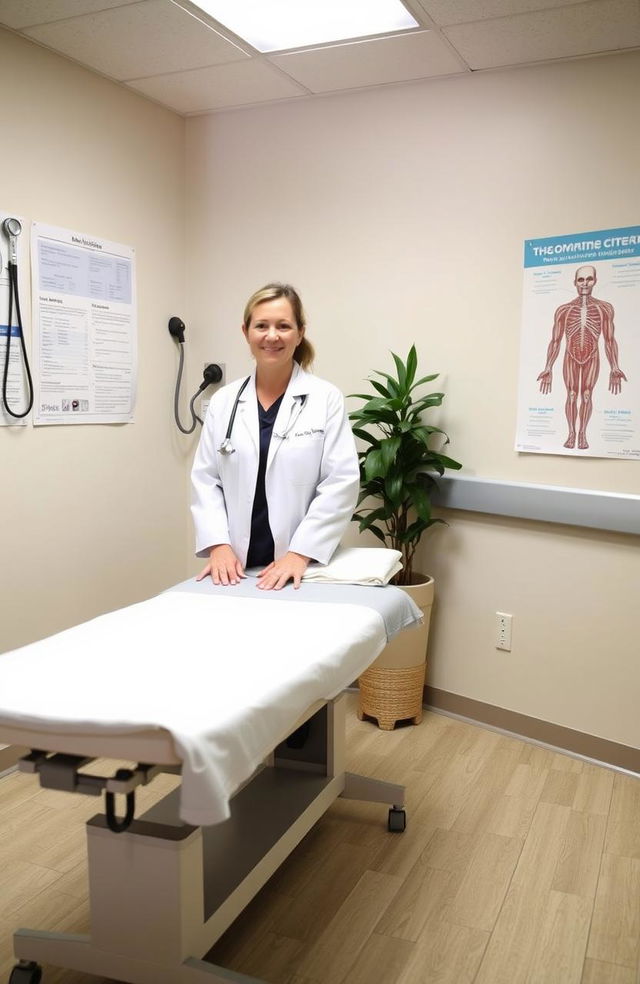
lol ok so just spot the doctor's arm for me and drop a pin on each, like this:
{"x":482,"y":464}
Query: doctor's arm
{"x":332,"y":507}
{"x":209,"y":512}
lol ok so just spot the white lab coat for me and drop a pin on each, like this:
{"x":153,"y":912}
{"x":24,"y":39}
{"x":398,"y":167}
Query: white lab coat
{"x":311,"y":481}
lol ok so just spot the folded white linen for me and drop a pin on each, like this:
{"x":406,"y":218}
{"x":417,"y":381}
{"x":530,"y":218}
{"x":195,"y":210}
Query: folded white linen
{"x":357,"y":565}
{"x":225,"y":676}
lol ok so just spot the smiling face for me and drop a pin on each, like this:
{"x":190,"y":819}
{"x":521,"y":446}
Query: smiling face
{"x":272,"y":333}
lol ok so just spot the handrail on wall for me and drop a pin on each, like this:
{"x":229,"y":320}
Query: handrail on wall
{"x":548,"y":503}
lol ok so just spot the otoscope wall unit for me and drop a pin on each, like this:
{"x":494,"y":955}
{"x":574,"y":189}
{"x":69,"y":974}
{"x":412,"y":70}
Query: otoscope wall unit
{"x":212,"y":375}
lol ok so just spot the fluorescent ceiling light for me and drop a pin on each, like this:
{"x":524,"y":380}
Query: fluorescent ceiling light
{"x":274,"y":25}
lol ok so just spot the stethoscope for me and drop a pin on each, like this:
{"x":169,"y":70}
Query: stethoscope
{"x":12,"y":229}
{"x":226,"y":447}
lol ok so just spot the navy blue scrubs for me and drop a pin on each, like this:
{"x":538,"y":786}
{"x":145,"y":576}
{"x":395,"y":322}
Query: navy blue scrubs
{"x":261,"y":546}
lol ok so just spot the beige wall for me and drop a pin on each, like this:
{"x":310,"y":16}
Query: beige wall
{"x":401,"y":214}
{"x":93,"y":517}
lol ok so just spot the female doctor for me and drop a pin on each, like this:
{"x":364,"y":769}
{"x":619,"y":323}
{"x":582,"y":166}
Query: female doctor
{"x":275,"y":477}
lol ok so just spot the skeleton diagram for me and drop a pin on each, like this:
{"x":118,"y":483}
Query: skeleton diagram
{"x":582,"y":321}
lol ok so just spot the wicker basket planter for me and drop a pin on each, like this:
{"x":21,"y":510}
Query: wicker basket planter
{"x":391,"y":690}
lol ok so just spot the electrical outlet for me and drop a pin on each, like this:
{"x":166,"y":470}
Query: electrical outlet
{"x":503,"y":631}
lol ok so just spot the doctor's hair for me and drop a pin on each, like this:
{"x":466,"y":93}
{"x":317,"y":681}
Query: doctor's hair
{"x":304,"y":354}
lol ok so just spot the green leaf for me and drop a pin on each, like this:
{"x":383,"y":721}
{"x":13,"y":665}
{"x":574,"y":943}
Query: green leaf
{"x":389,"y":448}
{"x":412,"y":365}
{"x":375,"y":413}
{"x":380,"y":388}
{"x":432,"y":400}
{"x":378,"y":532}
{"x":378,"y":460}
{"x":414,"y":531}
{"x":362,"y":495}
{"x":429,"y":482}
{"x":364,"y":435}
{"x":373,"y":517}
{"x":394,"y":488}
{"x":393,"y":383}
{"x":433,"y":430}
{"x":425,"y":379}
{"x":374,"y":466}
{"x":402,"y":372}
{"x":421,"y":503}
{"x":376,"y":404}
{"x":449,"y":462}
{"x":422,"y":434}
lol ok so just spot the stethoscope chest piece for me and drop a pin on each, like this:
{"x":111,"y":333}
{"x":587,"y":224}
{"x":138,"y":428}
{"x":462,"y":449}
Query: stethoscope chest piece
{"x":226,"y":447}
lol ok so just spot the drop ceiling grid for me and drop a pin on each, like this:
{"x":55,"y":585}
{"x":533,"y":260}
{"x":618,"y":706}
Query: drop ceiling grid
{"x":192,"y":64}
{"x":141,"y":39}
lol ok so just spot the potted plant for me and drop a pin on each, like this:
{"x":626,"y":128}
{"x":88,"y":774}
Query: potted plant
{"x":399,"y":468}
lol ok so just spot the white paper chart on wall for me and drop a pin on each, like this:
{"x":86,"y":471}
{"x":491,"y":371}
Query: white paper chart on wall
{"x":84,"y":328}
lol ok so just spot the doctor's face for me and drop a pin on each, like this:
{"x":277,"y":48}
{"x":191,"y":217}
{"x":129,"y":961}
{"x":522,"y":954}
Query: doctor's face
{"x":272,"y":333}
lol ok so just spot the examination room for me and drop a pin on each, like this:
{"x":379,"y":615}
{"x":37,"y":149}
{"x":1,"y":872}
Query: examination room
{"x":194,"y":789}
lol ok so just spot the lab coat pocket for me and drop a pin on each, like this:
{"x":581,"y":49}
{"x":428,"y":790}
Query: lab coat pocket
{"x":301,"y":458}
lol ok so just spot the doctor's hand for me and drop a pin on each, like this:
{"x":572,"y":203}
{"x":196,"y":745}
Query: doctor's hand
{"x":291,"y":566}
{"x":224,"y":567}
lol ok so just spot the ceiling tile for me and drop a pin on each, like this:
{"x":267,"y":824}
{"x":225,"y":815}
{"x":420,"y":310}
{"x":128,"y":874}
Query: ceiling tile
{"x":569,"y":32}
{"x":219,"y":87}
{"x":24,"y":13}
{"x":375,"y":62}
{"x":445,"y":12}
{"x":136,"y":40}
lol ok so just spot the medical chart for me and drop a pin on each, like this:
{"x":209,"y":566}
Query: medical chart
{"x":579,"y":390}
{"x":84,"y":328}
{"x":16,"y":388}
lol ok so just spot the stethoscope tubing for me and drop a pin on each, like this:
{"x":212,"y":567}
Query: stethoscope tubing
{"x":226,"y":447}
{"x":13,"y":293}
{"x":227,"y":437}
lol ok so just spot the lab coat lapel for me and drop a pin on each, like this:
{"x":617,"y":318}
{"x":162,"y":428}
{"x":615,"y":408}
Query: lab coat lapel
{"x":289,"y":411}
{"x":248,"y":413}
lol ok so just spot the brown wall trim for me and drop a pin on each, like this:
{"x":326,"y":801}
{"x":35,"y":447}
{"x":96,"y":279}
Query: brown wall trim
{"x":590,"y":746}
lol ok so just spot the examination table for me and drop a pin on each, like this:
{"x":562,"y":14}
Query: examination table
{"x":208,"y":682}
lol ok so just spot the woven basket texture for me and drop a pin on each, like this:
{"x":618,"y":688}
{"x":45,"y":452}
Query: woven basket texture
{"x":392,"y":695}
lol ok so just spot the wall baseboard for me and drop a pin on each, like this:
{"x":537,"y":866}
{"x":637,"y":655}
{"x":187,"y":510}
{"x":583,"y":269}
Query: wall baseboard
{"x":564,"y":739}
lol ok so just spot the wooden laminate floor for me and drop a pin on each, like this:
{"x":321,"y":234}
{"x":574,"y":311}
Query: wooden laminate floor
{"x":518,"y":866}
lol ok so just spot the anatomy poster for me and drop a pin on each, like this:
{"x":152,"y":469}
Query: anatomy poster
{"x":13,"y":347}
{"x":84,"y":328}
{"x":579,"y":388}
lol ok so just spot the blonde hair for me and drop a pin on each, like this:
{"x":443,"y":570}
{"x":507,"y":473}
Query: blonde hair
{"x":304,"y":354}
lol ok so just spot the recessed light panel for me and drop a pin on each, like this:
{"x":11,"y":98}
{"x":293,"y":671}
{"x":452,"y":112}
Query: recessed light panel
{"x":276,"y":25}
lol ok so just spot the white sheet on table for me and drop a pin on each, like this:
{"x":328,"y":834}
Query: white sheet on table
{"x":226,"y":676}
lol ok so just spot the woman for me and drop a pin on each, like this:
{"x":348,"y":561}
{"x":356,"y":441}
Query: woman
{"x":280,"y":490}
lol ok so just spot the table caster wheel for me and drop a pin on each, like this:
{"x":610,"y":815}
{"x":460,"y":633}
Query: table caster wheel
{"x":397,"y":820}
{"x":26,"y":972}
